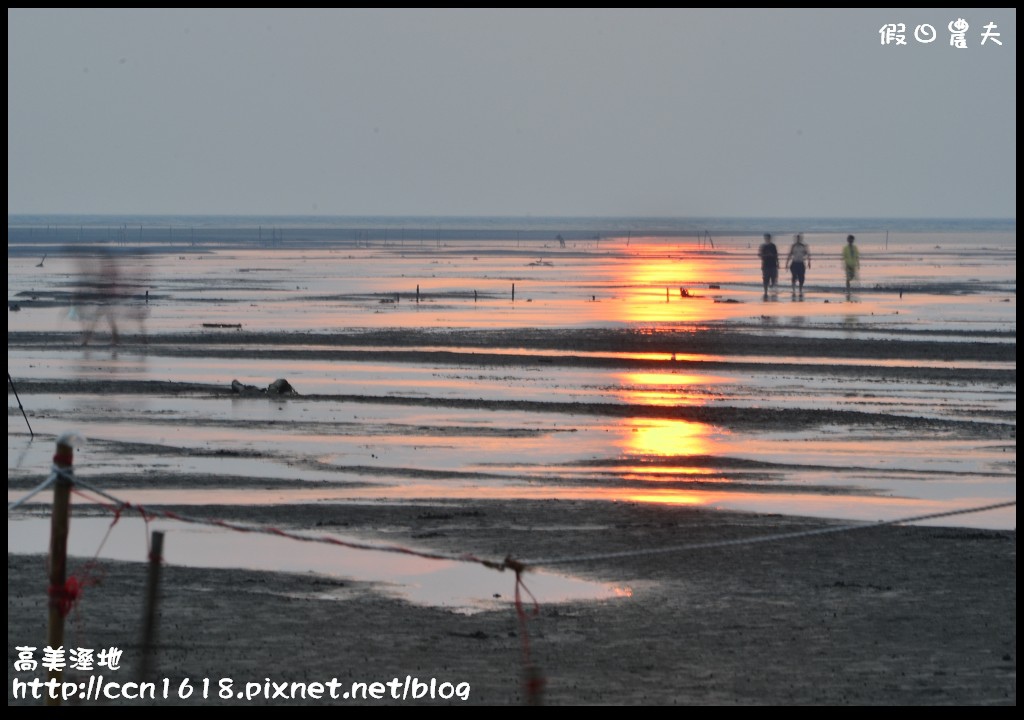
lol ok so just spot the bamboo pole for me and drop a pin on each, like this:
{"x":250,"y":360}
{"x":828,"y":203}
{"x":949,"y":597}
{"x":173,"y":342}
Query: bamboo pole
{"x":152,"y":597}
{"x":63,"y":459}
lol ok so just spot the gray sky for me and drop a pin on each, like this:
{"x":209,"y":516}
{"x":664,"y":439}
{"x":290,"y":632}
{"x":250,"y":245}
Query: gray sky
{"x":674,"y":113}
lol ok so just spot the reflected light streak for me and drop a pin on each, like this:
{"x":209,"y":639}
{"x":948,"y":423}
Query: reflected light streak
{"x":664,"y":388}
{"x":669,"y":379}
{"x":665,"y":437}
{"x":661,"y":474}
{"x":660,"y":272}
{"x":669,"y":498}
{"x":657,"y":289}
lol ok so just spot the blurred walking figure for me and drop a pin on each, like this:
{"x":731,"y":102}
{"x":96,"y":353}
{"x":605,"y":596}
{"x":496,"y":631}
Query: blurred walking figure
{"x":851,"y":261}
{"x":798,"y":260}
{"x":769,"y":255}
{"x":103,"y":296}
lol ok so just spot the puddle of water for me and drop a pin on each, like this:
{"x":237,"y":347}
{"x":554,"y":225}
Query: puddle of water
{"x":463,"y":587}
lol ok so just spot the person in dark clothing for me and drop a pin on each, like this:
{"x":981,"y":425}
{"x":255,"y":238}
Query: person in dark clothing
{"x":769,"y":255}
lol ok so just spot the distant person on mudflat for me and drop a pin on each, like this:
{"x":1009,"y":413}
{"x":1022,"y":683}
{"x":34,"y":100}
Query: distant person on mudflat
{"x":769,"y":255}
{"x":798,"y":260}
{"x":851,"y":261}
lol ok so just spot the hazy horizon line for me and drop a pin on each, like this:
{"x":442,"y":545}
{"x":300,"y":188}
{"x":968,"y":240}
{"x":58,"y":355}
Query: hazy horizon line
{"x":527,"y":216}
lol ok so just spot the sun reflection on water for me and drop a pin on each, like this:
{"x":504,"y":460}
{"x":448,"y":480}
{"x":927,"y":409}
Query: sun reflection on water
{"x":645,"y":437}
{"x":670,"y":497}
{"x":660,"y":287}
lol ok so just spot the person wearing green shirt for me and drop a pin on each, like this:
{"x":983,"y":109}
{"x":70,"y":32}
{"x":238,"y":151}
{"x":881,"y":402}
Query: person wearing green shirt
{"x":851,"y":261}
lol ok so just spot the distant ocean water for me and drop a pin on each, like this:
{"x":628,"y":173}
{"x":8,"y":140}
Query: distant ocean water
{"x":316,"y":229}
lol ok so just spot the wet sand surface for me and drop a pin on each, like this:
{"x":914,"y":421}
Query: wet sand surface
{"x":710,"y":611}
{"x":735,"y":485}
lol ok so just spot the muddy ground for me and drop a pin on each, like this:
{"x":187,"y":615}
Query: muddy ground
{"x":886,"y":615}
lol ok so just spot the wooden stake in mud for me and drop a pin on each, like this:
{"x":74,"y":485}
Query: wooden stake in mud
{"x":152,"y":593}
{"x":63,"y":461}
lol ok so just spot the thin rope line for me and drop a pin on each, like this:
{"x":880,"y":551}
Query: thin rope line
{"x":122,"y":505}
{"x":762,"y":538}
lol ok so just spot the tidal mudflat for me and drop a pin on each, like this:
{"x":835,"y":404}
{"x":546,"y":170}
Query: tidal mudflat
{"x":631,"y":414}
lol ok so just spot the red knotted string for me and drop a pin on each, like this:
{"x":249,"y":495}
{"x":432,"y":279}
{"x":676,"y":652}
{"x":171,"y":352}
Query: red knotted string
{"x":65,"y":597}
{"x":533,"y":680}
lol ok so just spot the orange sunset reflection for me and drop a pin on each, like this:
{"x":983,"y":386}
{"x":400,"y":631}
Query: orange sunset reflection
{"x":664,"y":437}
{"x":669,"y":497}
{"x":645,"y":437}
{"x":665,"y":389}
{"x":661,"y":288}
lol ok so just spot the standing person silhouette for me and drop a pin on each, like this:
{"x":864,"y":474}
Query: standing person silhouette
{"x":798,"y":260}
{"x":851,"y":261}
{"x":769,"y":255}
